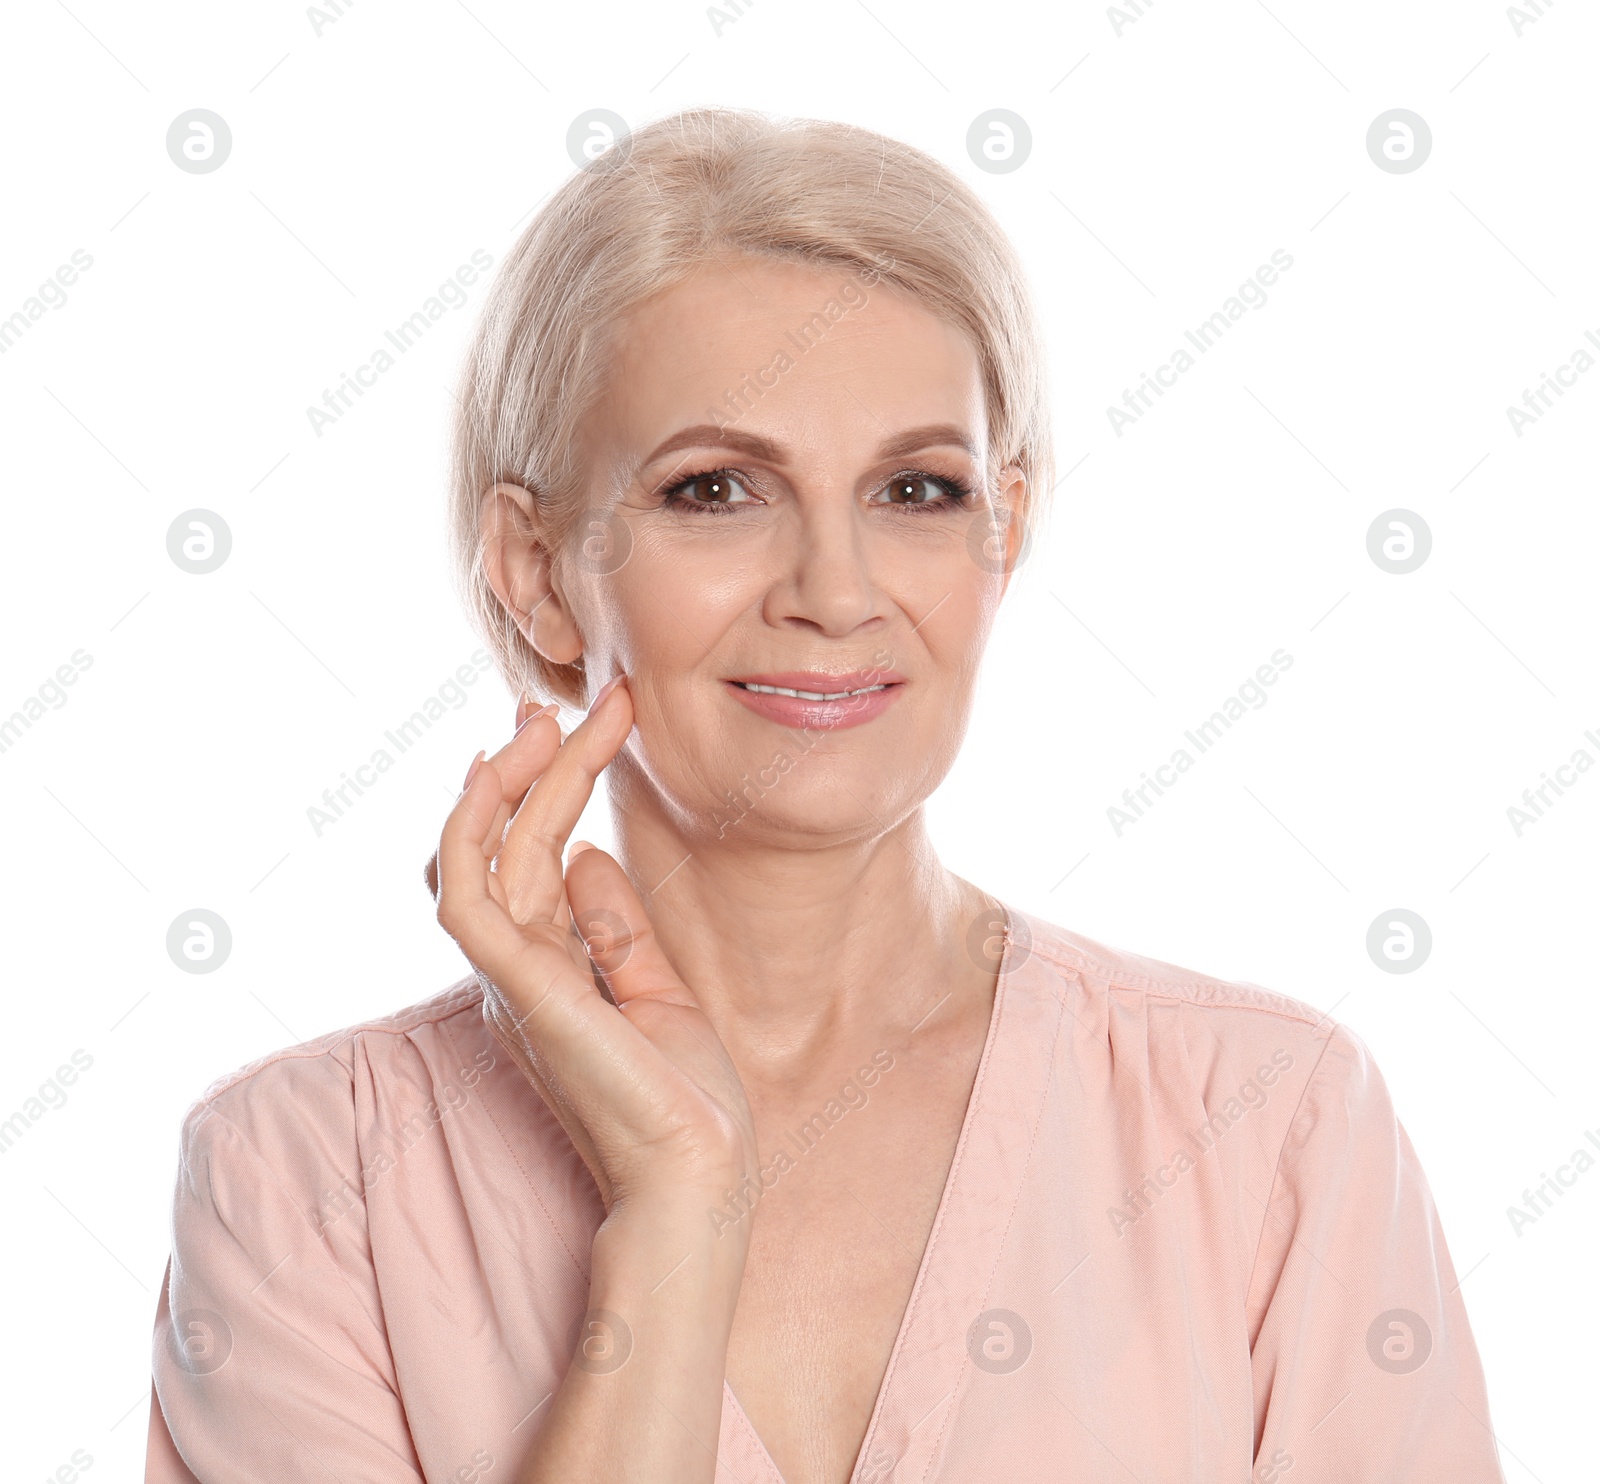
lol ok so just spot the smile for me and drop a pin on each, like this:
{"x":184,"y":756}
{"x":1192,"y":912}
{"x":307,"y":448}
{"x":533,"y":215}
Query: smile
{"x":807,"y":695}
{"x":818,"y":700}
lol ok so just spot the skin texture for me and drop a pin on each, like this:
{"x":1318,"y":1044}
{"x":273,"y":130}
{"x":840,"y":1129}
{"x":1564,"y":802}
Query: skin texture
{"x":759,"y":953}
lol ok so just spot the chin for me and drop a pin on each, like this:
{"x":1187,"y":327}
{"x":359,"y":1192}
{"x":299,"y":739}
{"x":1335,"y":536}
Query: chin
{"x":774,"y":808}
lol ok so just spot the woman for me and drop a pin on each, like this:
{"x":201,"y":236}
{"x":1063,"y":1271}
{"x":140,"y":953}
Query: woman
{"x":771,"y":1149}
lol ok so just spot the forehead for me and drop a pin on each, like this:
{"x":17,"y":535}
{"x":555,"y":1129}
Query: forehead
{"x":802,"y":353}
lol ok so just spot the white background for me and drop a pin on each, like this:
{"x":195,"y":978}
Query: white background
{"x":1171,"y":154}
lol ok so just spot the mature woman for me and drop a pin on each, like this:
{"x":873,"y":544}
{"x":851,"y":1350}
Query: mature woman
{"x":769,"y":1149}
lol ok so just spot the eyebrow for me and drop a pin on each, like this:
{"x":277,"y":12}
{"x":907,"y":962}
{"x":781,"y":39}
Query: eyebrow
{"x":704,"y":435}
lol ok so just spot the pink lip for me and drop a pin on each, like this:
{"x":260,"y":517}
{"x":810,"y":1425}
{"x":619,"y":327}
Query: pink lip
{"x":795,"y":711}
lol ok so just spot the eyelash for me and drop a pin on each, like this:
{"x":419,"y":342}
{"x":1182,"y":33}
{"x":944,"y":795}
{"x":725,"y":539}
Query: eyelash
{"x":958,"y":490}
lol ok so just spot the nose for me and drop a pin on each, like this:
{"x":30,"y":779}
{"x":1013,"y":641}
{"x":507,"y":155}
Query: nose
{"x":823,"y":577}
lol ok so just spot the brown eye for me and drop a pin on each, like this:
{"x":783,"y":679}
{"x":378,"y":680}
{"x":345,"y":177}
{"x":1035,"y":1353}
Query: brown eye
{"x":916,"y":489}
{"x":716,"y":488}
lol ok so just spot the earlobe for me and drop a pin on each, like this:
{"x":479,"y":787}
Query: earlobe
{"x":517,"y":564}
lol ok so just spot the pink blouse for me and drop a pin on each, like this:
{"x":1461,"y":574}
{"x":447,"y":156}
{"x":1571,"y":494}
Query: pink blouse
{"x":1183,"y":1238}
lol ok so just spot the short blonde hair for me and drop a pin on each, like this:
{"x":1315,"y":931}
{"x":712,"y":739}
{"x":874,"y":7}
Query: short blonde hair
{"x":643,"y":216}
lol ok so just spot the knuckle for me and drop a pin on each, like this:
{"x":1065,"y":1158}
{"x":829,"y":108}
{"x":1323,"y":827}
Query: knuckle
{"x":456,"y":917}
{"x":523,"y":853}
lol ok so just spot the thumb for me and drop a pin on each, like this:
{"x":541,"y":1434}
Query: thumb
{"x":616,"y":930}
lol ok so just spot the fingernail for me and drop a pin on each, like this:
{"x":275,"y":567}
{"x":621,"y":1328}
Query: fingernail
{"x":549,"y":710}
{"x":605,"y":690}
{"x":577,"y":848}
{"x":477,"y":762}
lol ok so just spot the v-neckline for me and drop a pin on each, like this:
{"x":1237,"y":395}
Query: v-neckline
{"x":931,"y":1339}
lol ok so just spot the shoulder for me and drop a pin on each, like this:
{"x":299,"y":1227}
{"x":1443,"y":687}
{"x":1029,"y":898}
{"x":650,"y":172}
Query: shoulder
{"x":1108,"y":970}
{"x":1170,"y":1015}
{"x":303,"y":1099}
{"x":1271,"y":1094}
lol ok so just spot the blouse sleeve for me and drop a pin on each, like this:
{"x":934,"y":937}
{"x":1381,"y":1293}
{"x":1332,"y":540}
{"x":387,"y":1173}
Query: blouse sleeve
{"x":1364,"y":1367}
{"x":270,"y":1360}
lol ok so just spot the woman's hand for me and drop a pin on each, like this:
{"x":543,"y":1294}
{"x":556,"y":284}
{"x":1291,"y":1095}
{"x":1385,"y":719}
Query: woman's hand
{"x":644,"y":1088}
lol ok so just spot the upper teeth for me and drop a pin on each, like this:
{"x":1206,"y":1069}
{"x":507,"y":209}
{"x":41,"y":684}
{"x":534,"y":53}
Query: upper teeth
{"x":808,"y":695}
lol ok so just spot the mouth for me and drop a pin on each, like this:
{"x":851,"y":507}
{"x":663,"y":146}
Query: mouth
{"x":806,"y":695}
{"x":818,"y":699}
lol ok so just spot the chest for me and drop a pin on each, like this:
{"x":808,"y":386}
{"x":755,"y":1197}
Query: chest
{"x":851,"y":1189}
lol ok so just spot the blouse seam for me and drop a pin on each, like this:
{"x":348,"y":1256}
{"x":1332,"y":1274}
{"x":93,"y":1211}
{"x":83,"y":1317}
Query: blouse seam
{"x":310,"y":1050}
{"x":752,"y":1437}
{"x":516,"y":1159}
{"x":1277,"y":1168}
{"x":320,"y":1242}
{"x":1143,"y":984}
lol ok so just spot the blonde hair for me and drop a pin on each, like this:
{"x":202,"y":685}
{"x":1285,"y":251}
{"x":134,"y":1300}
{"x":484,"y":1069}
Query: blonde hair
{"x":643,"y":216}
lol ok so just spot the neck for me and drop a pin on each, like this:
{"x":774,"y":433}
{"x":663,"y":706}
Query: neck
{"x":799,"y":953}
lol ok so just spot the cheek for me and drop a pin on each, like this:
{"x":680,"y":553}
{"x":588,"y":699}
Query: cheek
{"x":958,"y":646}
{"x":665,"y":611}
{"x":951,"y":604}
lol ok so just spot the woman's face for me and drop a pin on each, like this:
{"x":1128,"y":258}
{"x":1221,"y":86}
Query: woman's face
{"x":787,"y":490}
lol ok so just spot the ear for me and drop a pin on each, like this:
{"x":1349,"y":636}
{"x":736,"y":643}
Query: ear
{"x":1011,"y":495}
{"x":517,"y":563}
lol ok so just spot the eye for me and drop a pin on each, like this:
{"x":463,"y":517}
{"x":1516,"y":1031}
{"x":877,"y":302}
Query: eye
{"x":712,"y":490}
{"x":916,"y":489}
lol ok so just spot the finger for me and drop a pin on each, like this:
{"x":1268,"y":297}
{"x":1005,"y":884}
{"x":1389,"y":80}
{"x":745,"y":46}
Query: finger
{"x":530,"y":857}
{"x":617,"y":931}
{"x":519,"y":762}
{"x":622,"y":942}
{"x":588,"y":1058}
{"x":528,"y":752}
{"x":536,"y":961}
{"x":463,"y":874}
